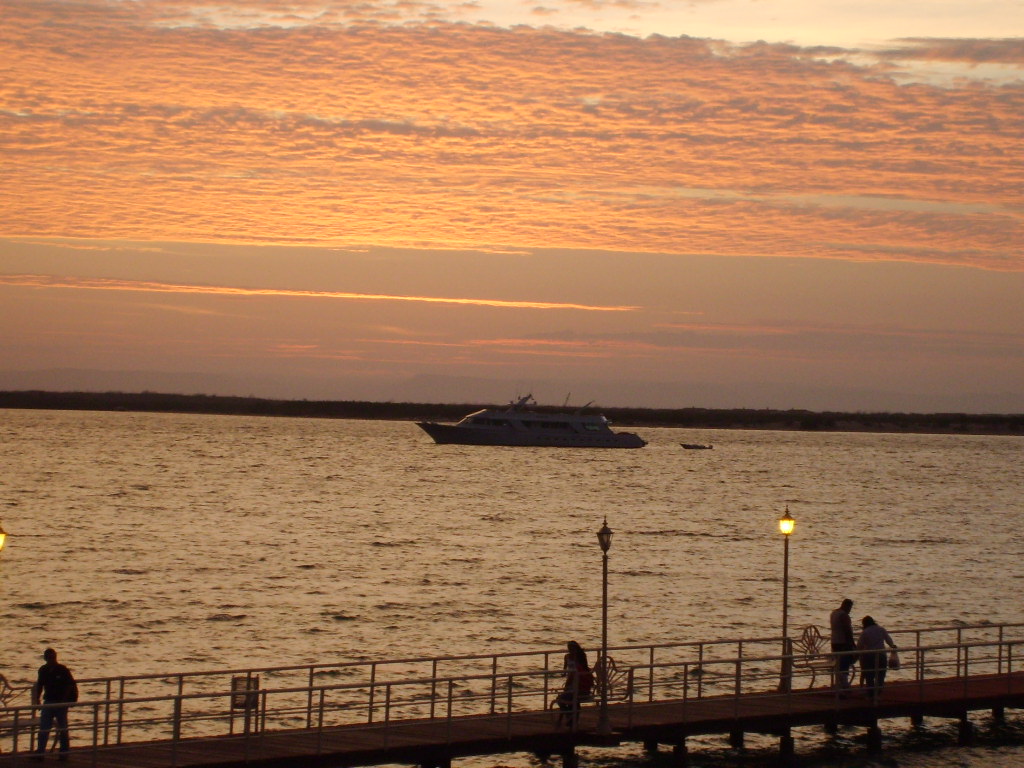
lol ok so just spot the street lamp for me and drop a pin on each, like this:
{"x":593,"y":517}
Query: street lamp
{"x":786,"y":526}
{"x":604,"y":538}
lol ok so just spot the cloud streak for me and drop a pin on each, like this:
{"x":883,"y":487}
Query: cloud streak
{"x":138,"y":286}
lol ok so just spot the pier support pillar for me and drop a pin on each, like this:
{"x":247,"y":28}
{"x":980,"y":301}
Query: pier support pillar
{"x":917,"y":719}
{"x":651,"y":746}
{"x":437,"y":762}
{"x":787,"y":748}
{"x":965,"y":732}
{"x":999,"y":714}
{"x":570,"y":759}
{"x":680,"y":755}
{"x":736,"y":739}
{"x":874,"y":738}
{"x":831,"y":727}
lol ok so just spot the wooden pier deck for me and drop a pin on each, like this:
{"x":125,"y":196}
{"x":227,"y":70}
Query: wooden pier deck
{"x":696,"y":701}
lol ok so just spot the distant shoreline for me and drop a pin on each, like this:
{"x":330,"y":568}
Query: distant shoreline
{"x":694,"y":418}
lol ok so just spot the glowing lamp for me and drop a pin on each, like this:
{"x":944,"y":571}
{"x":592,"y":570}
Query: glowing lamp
{"x":786,"y":523}
{"x":3,"y":536}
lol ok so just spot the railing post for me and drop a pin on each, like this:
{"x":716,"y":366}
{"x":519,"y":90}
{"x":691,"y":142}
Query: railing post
{"x":120,"y":712}
{"x":920,"y":672}
{"x":309,"y":699}
{"x":700,"y":665}
{"x":1009,"y":667}
{"x":508,"y":714}
{"x":547,"y":675}
{"x":451,"y":705}
{"x":433,"y":687}
{"x":630,"y":679}
{"x":650,"y":675}
{"x":320,"y":722}
{"x":373,"y":682}
{"x":246,"y":722}
{"x":959,"y":649}
{"x":176,"y":730}
{"x":1000,"y":668}
{"x":494,"y":684}
{"x":106,"y":714}
{"x":14,"y":738}
{"x":737,"y":686}
{"x":966,"y":651}
{"x":96,"y":727}
{"x":387,"y":715}
{"x":262,"y":714}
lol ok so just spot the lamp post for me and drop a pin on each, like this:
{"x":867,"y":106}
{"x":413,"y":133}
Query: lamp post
{"x":786,"y":526}
{"x":604,"y":538}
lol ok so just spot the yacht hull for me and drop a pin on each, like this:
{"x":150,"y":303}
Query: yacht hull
{"x":454,"y":434}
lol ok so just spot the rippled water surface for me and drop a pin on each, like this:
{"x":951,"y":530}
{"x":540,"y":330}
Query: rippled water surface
{"x":158,"y":542}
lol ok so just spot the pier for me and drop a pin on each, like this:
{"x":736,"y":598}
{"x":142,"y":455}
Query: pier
{"x":430,"y":711}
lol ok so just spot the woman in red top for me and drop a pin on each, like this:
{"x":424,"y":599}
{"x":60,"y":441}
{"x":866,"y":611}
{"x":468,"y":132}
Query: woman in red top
{"x":579,"y":680}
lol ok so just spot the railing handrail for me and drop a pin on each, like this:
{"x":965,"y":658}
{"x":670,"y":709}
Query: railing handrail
{"x":482,"y":676}
{"x":547,"y":653}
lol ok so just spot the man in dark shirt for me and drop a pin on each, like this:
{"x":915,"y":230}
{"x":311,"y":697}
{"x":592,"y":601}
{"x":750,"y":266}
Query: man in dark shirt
{"x":842,"y":641}
{"x":54,"y":685}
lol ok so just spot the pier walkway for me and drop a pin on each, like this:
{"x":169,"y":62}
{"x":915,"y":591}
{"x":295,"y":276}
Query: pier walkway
{"x":428,"y":712}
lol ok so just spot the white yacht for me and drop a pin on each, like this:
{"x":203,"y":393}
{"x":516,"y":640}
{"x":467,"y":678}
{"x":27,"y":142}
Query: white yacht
{"x":518,"y":424}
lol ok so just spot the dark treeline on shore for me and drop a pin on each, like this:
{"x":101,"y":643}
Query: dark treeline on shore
{"x":709,"y":418}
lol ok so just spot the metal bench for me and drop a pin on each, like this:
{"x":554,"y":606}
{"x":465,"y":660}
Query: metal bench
{"x":618,"y":683}
{"x":812,"y":653}
{"x":8,"y":692}
{"x":12,"y":727}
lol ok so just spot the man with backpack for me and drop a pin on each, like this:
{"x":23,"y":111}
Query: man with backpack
{"x":55,"y":685}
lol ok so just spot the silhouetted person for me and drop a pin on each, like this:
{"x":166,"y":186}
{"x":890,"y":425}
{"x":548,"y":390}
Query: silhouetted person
{"x":842,"y":641}
{"x":579,"y":681}
{"x":54,"y":685}
{"x":872,"y":642}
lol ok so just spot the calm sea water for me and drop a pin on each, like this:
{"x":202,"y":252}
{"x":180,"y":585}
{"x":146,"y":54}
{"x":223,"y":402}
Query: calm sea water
{"x":158,"y":543}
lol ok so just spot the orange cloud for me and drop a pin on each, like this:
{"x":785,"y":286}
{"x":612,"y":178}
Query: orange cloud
{"x":147,"y":121}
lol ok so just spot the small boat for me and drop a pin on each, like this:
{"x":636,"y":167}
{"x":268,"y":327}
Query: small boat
{"x":518,"y":424}
{"x":697,"y":446}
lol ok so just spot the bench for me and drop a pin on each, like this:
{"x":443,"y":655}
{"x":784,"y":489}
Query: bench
{"x":619,"y":687}
{"x":618,"y":682}
{"x":8,"y":692}
{"x":16,"y":725}
{"x":811,"y":653}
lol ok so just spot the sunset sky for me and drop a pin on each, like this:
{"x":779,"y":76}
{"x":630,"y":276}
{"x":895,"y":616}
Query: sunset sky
{"x":712,"y":203}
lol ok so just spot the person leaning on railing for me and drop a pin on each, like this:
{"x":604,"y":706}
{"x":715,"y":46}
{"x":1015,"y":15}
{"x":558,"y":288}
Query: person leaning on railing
{"x":872,"y":642}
